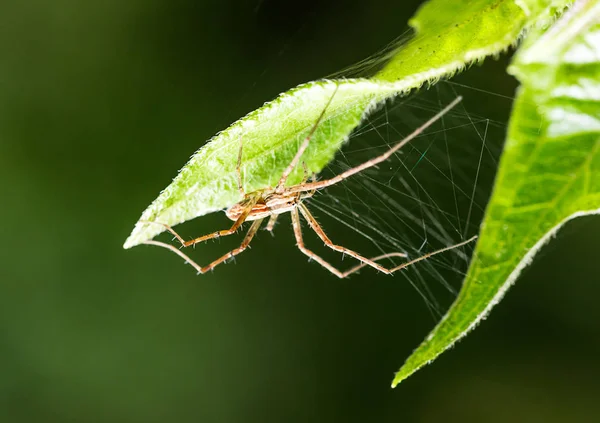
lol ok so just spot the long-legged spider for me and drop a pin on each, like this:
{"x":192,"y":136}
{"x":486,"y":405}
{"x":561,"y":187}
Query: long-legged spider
{"x":271,"y":202}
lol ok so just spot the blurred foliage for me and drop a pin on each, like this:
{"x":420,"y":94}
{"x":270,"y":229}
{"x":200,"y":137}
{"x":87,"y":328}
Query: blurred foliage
{"x":96,"y":93}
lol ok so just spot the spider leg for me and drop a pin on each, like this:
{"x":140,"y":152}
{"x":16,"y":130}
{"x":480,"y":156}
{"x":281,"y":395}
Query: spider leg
{"x":374,"y":161}
{"x":433,"y":253}
{"x":249,"y":235}
{"x":371,"y":262}
{"x":321,"y":234}
{"x":309,"y":253}
{"x":201,"y":270}
{"x":411,"y":262}
{"x":216,"y":234}
{"x":281,"y":185}
{"x":307,"y":176}
{"x":271,"y":223}
{"x":320,"y":260}
{"x":176,"y":251}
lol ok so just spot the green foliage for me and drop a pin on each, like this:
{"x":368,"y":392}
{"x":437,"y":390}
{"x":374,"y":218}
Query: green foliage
{"x":444,"y":43}
{"x":270,"y":137}
{"x":451,"y":34}
{"x":549,"y":172}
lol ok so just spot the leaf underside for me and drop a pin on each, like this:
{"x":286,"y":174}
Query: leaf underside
{"x":549,"y":172}
{"x":468,"y":31}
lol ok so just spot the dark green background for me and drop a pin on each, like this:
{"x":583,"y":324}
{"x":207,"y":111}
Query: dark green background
{"x":100,"y":104}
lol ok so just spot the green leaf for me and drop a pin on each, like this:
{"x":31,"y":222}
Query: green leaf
{"x":270,"y":137}
{"x":449,"y":35}
{"x":549,"y":172}
{"x":459,"y":33}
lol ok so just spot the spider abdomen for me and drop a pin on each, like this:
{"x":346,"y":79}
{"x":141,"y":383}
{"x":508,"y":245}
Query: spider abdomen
{"x":268,"y":205}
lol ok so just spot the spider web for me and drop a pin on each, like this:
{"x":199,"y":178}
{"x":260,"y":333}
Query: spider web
{"x":430,"y":195}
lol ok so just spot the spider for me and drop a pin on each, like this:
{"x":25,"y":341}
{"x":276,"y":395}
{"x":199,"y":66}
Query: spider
{"x":272,"y":202}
